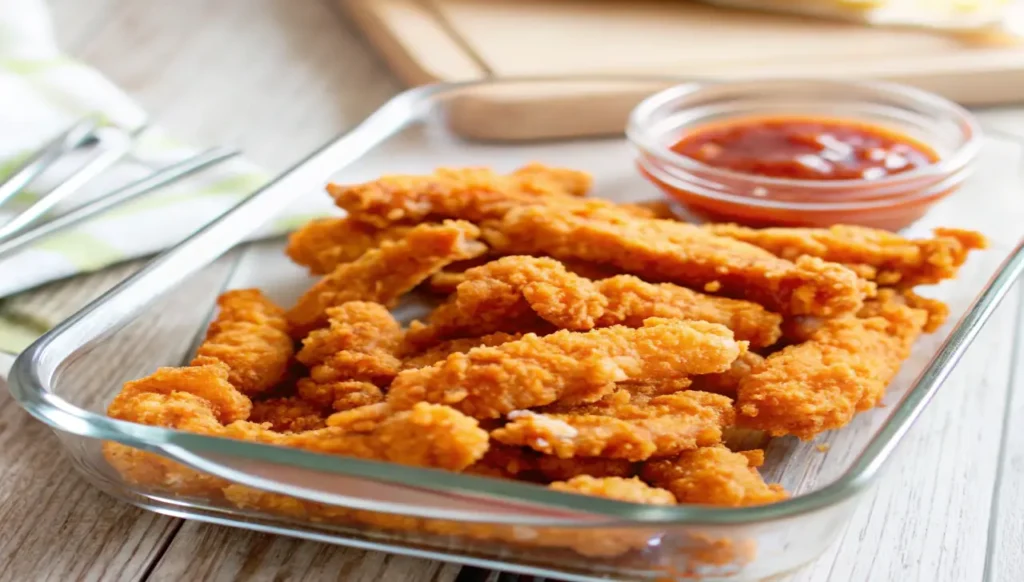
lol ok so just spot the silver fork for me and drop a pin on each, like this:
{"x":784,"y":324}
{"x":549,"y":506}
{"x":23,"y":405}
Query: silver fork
{"x":16,"y":233}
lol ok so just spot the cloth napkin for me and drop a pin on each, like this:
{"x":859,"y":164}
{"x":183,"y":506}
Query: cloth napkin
{"x":43,"y":92}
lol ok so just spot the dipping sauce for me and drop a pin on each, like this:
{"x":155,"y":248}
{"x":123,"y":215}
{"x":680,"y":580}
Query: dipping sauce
{"x":802,"y":171}
{"x":806,"y":149}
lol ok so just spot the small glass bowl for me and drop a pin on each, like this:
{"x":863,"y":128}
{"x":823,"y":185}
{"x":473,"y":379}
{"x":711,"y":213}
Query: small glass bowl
{"x":891,"y":202}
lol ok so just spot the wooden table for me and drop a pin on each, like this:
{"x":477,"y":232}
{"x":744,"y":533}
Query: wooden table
{"x":278,"y":77}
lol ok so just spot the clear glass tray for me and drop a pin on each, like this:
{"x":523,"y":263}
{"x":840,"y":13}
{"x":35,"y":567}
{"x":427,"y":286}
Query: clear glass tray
{"x":67,"y":378}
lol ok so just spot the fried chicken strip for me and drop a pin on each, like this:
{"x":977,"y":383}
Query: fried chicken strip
{"x":249,"y":337}
{"x":684,"y":254}
{"x":891,"y":258}
{"x":289,"y":414}
{"x":350,"y":358}
{"x":322,"y":245}
{"x":570,"y":367}
{"x":632,"y":490}
{"x":622,"y":426}
{"x":819,"y":385}
{"x":472,"y":194}
{"x":139,"y":400}
{"x":384,"y":274}
{"x":507,"y":294}
{"x":631,"y":300}
{"x":714,"y":476}
{"x":543,"y":179}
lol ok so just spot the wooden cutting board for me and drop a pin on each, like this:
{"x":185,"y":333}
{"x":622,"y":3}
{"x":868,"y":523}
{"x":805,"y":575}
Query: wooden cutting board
{"x":441,"y":40}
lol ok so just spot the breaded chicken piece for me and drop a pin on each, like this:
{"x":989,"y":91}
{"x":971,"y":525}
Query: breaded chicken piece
{"x":714,"y":476}
{"x":445,"y":282}
{"x":683,"y":254}
{"x":349,"y":359}
{"x":441,"y":351}
{"x":289,"y":414}
{"x":623,"y":427}
{"x":889,"y":258}
{"x":509,"y":294}
{"x":553,"y":468}
{"x":632,"y":490}
{"x":426,"y":435}
{"x":472,"y":194}
{"x":384,"y":274}
{"x":819,"y":385}
{"x":632,"y":300}
{"x":727,"y":383}
{"x":569,"y":367}
{"x":322,"y":245}
{"x":206,"y":385}
{"x":524,"y":464}
{"x":504,"y":295}
{"x":250,"y":338}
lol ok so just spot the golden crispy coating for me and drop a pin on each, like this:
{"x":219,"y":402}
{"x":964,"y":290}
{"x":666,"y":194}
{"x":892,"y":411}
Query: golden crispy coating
{"x":541,"y":179}
{"x":289,"y":414}
{"x":361,"y":343}
{"x":384,"y":274}
{"x":442,"y":350}
{"x":632,"y":490}
{"x":728,"y":382}
{"x":684,"y":254}
{"x":714,"y":476}
{"x":250,"y":338}
{"x":507,"y":295}
{"x":338,"y":395}
{"x":631,"y":300}
{"x":937,"y":311}
{"x":888,"y":257}
{"x":207,"y":384}
{"x":818,"y":385}
{"x":427,"y":435}
{"x":322,"y":245}
{"x":621,"y":427}
{"x":473,"y":194}
{"x":511,"y":462}
{"x":570,"y":367}
{"x":445,"y":282}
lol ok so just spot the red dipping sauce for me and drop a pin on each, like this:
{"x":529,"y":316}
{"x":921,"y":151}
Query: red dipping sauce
{"x":802,"y":171}
{"x":806,"y":149}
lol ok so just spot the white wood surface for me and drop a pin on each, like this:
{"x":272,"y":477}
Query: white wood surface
{"x":277,"y":77}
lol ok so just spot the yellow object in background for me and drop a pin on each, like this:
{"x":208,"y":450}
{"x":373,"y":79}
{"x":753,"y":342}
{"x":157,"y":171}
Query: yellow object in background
{"x":954,"y":15}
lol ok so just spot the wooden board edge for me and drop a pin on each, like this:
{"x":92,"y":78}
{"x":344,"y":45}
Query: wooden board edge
{"x":398,"y":29}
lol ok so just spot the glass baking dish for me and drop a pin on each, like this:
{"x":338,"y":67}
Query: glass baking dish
{"x":67,"y":378}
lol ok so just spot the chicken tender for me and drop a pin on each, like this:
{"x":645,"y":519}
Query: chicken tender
{"x":631,"y":300}
{"x":632,"y":490}
{"x":322,"y":245}
{"x":623,"y":427}
{"x":350,"y":358}
{"x":426,"y":435}
{"x":714,"y":476}
{"x":819,"y":385}
{"x":888,"y":257}
{"x":195,"y":390}
{"x":542,"y":179}
{"x":473,"y":194}
{"x":684,"y":254}
{"x":569,"y":367}
{"x":509,"y":294}
{"x":249,"y":337}
{"x":383,"y":275}
{"x":938,"y":312}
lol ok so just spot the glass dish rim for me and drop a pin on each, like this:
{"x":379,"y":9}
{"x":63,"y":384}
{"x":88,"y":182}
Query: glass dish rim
{"x":638,"y":132}
{"x":34,"y":368}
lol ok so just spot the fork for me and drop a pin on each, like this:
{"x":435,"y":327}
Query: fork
{"x":16,"y":233}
